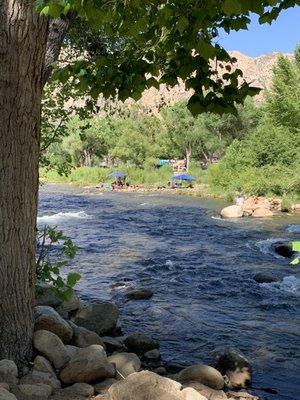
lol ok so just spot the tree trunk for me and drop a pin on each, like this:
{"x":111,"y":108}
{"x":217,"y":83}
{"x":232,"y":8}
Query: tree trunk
{"x":188,"y":152}
{"x":22,"y":52}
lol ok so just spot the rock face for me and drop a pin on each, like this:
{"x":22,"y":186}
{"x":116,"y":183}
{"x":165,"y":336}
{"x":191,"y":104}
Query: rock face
{"x":88,"y":365}
{"x":51,"y":346}
{"x":126,"y":364}
{"x":204,"y":374}
{"x":232,"y":212}
{"x":264,"y":278}
{"x":46,"y":318}
{"x":262,"y":212}
{"x":101,"y":318}
{"x":147,"y":386}
{"x":140,"y":343}
{"x":236,"y":367}
{"x":284,"y":250}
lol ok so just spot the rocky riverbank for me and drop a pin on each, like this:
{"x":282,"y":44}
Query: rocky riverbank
{"x":81,"y":354}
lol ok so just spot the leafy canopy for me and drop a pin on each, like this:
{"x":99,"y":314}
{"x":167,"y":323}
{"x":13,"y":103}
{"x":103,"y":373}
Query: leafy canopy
{"x":147,"y":42}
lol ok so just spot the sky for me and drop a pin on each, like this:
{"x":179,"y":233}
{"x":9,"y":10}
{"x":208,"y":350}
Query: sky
{"x":281,"y":36}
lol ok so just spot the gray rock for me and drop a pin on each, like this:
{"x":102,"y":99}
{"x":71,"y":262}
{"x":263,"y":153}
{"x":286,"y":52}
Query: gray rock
{"x":69,"y":306}
{"x":139,"y":294}
{"x":88,"y":365}
{"x":236,"y":367}
{"x":6,"y":395}
{"x":47,"y":378}
{"x":140,"y":343}
{"x":264,"y":278}
{"x":8,"y":372}
{"x":113,"y":344}
{"x":102,"y":387}
{"x":46,"y":318}
{"x":4,"y":385}
{"x":45,"y":295}
{"x":51,"y":346}
{"x":152,"y":354}
{"x":204,"y":374}
{"x":100,"y":318}
{"x":83,"y":337}
{"x":148,"y":386}
{"x":83,"y":389}
{"x":72,"y":350}
{"x":126,"y":364}
{"x":232,"y":212}
{"x":41,"y":364}
{"x":192,"y":394}
{"x":29,"y":391}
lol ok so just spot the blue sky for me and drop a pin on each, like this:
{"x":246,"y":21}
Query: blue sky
{"x":282,"y":35}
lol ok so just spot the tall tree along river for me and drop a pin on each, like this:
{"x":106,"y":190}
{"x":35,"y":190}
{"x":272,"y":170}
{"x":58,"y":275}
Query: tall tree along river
{"x":200,"y":269}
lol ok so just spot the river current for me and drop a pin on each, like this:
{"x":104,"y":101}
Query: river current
{"x":200,"y":269}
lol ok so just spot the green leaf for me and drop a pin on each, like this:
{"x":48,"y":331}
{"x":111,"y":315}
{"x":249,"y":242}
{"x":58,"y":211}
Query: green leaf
{"x":296,"y":246}
{"x":295,"y":261}
{"x":182,"y":23}
{"x":73,"y":278}
{"x":232,"y":7}
{"x":205,"y":49}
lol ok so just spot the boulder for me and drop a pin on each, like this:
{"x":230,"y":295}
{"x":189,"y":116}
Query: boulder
{"x":146,"y":385}
{"x":4,"y":385}
{"x":82,"y":337}
{"x":192,"y":394}
{"x":284,"y":250}
{"x":236,"y":367}
{"x":232,"y":212}
{"x":8,"y":372}
{"x":152,"y":354}
{"x":47,"y":378}
{"x":6,"y":395}
{"x":83,"y":389}
{"x":139,"y":294}
{"x":69,"y":306}
{"x":126,"y":364}
{"x":207,"y":392}
{"x":204,"y":374}
{"x":45,"y":295}
{"x":102,"y":387}
{"x":72,"y":350}
{"x":51,"y":347}
{"x":296,"y":207}
{"x":264,"y":278}
{"x":46,"y":318}
{"x":262,"y":212}
{"x":113,"y":344}
{"x":140,"y":343}
{"x":101,"y":318}
{"x":88,"y":365}
{"x":29,"y":391}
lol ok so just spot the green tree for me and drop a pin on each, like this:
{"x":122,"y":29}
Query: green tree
{"x":155,"y":38}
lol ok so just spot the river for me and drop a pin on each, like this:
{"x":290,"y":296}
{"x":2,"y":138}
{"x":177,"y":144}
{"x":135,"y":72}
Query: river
{"x":200,"y":269}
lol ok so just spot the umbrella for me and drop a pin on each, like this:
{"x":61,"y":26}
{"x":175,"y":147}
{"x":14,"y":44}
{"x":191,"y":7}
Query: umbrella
{"x":116,"y":175}
{"x":184,"y":177}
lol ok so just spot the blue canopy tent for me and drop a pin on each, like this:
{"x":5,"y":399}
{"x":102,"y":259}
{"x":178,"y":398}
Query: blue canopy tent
{"x":116,"y":175}
{"x":184,"y":177}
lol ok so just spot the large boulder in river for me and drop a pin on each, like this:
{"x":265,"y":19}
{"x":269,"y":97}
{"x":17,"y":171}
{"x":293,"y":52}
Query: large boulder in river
{"x":101,"y":317}
{"x":204,"y":374}
{"x":236,"y":367}
{"x":89,"y":365}
{"x":262,"y":212}
{"x":126,"y":364}
{"x":46,"y":318}
{"x":51,"y":347}
{"x":261,"y":277}
{"x":284,"y":250}
{"x":140,"y":343}
{"x":139,"y":294}
{"x":232,"y":212}
{"x":146,"y":385}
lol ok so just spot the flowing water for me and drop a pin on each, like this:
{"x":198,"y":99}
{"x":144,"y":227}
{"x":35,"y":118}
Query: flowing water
{"x":200,"y":269}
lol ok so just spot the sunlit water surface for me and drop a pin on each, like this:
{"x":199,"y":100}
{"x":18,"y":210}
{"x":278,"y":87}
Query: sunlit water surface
{"x":200,"y":269}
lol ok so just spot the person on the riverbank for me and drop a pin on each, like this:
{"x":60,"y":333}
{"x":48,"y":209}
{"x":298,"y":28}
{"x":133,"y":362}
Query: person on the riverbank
{"x":240,"y":200}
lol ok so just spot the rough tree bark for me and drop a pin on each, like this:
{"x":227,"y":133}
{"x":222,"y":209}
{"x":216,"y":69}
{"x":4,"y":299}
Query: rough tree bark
{"x":22,"y":52}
